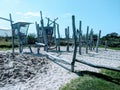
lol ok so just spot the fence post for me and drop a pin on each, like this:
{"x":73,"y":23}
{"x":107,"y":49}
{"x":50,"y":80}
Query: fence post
{"x":54,"y":27}
{"x":38,"y":37}
{"x":106,"y":45}
{"x":12,"y":33}
{"x":75,"y":43}
{"x":67,"y":37}
{"x":58,"y":37}
{"x":80,"y":37}
{"x":98,"y":40}
{"x":91,"y":39}
{"x":87,"y":41}
{"x":44,"y":33}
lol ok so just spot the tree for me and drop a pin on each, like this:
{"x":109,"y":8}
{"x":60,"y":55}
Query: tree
{"x":31,"y":38}
{"x":112,"y":38}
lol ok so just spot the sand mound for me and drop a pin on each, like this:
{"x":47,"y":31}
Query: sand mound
{"x":20,"y":67}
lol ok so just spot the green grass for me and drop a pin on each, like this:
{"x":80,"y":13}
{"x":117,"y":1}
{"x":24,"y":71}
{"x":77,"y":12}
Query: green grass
{"x":90,"y":83}
{"x":93,"y":83}
{"x":114,"y":48}
{"x":6,"y":45}
{"x":110,"y":73}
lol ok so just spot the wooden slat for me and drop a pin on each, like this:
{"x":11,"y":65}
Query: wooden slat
{"x":98,"y":66}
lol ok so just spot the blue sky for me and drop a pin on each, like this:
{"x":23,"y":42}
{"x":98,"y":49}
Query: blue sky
{"x":97,"y":14}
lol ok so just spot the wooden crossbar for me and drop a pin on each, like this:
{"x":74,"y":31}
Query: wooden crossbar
{"x":98,"y":66}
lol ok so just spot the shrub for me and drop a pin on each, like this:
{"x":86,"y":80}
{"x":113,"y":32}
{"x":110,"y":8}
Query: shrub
{"x":31,"y":38}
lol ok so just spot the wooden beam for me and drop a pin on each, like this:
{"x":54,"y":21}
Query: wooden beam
{"x":98,"y":66}
{"x":98,"y":40}
{"x":44,"y":32}
{"x":80,"y":37}
{"x":54,"y":31}
{"x":87,"y":39}
{"x":106,"y":45}
{"x":39,"y":44}
{"x":52,"y":22}
{"x":91,"y":39}
{"x":11,"y":23}
{"x":58,"y":37}
{"x":67,"y":38}
{"x":6,"y":19}
{"x":75,"y":43}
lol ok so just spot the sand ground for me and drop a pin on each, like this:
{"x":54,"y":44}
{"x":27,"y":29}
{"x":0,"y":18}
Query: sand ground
{"x":59,"y":71}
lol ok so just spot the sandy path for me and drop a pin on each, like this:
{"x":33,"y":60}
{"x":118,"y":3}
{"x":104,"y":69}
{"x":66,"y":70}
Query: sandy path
{"x":59,"y":73}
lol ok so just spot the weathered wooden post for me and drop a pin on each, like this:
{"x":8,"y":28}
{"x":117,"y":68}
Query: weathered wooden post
{"x":91,"y":39}
{"x":58,"y":37}
{"x":48,"y":22}
{"x":80,"y":37}
{"x":44,"y":33}
{"x":19,"y":41}
{"x":67,"y":37}
{"x":87,"y":41}
{"x":98,"y":40}
{"x":11,"y":23}
{"x":106,"y":45}
{"x":38,"y":36}
{"x":37,"y":28}
{"x":75,"y":43}
{"x":54,"y":31}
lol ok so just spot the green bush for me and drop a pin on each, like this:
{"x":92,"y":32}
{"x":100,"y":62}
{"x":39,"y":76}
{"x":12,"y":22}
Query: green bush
{"x":114,"y":44}
{"x":31,"y":38}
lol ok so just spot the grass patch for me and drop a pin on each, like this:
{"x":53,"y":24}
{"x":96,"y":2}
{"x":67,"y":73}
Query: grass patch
{"x":110,"y":73}
{"x":90,"y":83}
{"x":114,"y":48}
{"x":87,"y":82}
{"x":6,"y":45}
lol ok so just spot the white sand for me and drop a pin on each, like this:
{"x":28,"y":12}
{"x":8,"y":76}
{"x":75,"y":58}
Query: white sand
{"x":58,"y":74}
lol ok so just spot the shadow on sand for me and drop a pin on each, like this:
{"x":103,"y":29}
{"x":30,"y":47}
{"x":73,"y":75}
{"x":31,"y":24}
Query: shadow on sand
{"x":67,"y":65}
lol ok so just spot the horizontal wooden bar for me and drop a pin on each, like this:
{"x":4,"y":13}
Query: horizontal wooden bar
{"x":98,"y":66}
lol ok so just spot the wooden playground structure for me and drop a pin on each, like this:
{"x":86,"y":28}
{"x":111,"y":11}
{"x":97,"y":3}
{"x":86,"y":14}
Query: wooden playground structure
{"x":46,"y":37}
{"x":20,"y":31}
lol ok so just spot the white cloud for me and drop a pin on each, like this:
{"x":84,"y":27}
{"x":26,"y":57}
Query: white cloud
{"x":34,"y":14}
{"x":11,"y":1}
{"x":28,"y":14}
{"x":19,"y":13}
{"x":66,"y":15}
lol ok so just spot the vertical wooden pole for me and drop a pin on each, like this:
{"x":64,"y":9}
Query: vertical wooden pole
{"x":66,"y":35}
{"x":67,"y":38}
{"x":58,"y":37}
{"x":106,"y":45}
{"x":12,"y":33}
{"x":91,"y":39}
{"x":98,"y":40}
{"x":19,"y":39}
{"x":38,"y":36}
{"x":75,"y":43}
{"x":54,"y":26}
{"x":48,"y":22}
{"x":80,"y":37}
{"x":87,"y":41}
{"x":94,"y":45}
{"x":44,"y":33}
